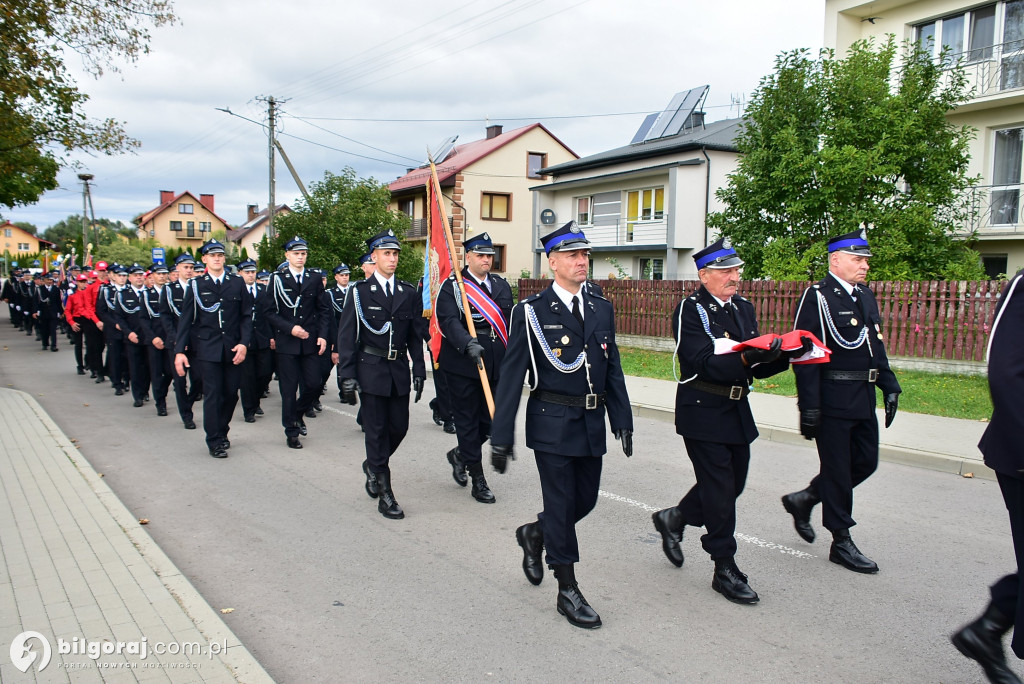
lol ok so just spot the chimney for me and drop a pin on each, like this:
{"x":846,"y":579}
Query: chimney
{"x":251,"y":211}
{"x":206,"y":201}
{"x":493,"y":131}
{"x":166,"y":196}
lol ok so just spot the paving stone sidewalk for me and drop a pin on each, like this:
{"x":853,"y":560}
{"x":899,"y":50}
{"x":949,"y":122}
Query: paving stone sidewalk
{"x":79,"y":569}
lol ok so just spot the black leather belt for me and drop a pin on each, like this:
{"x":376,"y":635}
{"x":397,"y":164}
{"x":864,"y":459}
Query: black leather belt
{"x":390,"y":355}
{"x":734,"y":392}
{"x":587,"y":401}
{"x":864,"y":376}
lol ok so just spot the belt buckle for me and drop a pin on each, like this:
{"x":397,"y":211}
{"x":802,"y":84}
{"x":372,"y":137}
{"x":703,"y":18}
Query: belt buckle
{"x":736,"y":392}
{"x":873,"y":375}
{"x":392,"y":354}
{"x":591,"y":401}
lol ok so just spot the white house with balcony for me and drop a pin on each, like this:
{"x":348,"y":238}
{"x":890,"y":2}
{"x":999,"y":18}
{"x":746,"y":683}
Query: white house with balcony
{"x":987,"y":39}
{"x":643,"y":206}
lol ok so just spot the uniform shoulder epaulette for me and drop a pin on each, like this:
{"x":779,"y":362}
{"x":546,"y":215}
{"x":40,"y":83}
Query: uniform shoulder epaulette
{"x":694,"y":297}
{"x":531,"y":298}
{"x":816,"y":286}
{"x":599,"y":296}
{"x":498,"y":277}
{"x":742,"y":299}
{"x":404,"y":282}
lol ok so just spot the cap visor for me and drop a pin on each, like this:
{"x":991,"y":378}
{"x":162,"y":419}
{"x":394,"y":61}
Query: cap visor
{"x":731,"y":262}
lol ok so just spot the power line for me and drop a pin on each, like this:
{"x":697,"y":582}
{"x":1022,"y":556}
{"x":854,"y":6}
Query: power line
{"x":394,"y":154}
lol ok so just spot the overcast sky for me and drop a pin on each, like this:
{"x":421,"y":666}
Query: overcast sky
{"x":372,"y":84}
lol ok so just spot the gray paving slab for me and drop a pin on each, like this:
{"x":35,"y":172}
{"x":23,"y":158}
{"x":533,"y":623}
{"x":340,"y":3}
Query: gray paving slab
{"x":75,"y":564}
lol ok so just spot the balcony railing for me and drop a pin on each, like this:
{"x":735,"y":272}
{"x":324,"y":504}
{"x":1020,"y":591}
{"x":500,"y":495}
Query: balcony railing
{"x":996,"y":210}
{"x":626,"y":232}
{"x":992,"y":70}
{"x":418,"y":229}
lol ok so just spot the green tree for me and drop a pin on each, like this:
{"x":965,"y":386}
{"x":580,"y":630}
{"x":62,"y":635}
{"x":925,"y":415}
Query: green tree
{"x":136,"y":252}
{"x":342,"y":212}
{"x":42,"y":110}
{"x":68,"y":233}
{"x":27,"y":227}
{"x":832,"y":145}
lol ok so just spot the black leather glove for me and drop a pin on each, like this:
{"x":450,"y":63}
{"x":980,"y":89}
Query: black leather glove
{"x":810,"y":420}
{"x":892,"y":402}
{"x":752,"y":356}
{"x":475,"y":351}
{"x":349,"y":390}
{"x":806,"y":345}
{"x":626,"y":437}
{"x":501,"y":454}
{"x":417,"y":384}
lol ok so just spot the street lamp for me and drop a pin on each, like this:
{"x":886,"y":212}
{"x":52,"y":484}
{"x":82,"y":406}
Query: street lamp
{"x":85,"y":178}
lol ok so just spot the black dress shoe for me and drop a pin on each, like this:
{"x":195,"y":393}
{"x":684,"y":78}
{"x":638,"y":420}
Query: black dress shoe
{"x":259,"y":411}
{"x":250,"y":417}
{"x":435,"y":414}
{"x":310,"y":413}
{"x":81,"y":371}
{"x":100,"y":379}
{"x":302,"y":428}
{"x":458,"y":467}
{"x":53,"y":349}
{"x":982,"y":641}
{"x":118,"y":391}
{"x":371,"y":482}
{"x":190,"y":425}
{"x":266,"y":393}
{"x":449,"y":427}
{"x":481,"y":492}
{"x":845,"y":553}
{"x":731,"y":583}
{"x":161,"y":410}
{"x":294,"y":443}
{"x":571,"y":603}
{"x":799,"y":505}
{"x":137,"y":403}
{"x":92,"y":374}
{"x":386,"y":503}
{"x":318,"y":407}
{"x":669,"y":524}
{"x":531,"y":537}
{"x":219,"y":452}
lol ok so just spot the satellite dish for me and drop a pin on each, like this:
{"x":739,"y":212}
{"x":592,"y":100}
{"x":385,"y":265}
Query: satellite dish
{"x":441,"y":151}
{"x":547,"y":217}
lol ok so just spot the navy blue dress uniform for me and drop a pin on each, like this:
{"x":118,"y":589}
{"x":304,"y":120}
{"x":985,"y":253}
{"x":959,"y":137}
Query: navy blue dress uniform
{"x":837,"y":399}
{"x":7,"y":294}
{"x":48,"y":309}
{"x":161,"y":363}
{"x":712,"y":414}
{"x":458,"y":360}
{"x":1000,"y":445}
{"x":106,"y":307}
{"x":189,"y":387}
{"x":575,"y":378}
{"x":130,"y":314}
{"x":263,"y":278}
{"x":337,"y":298}
{"x":216,"y":318}
{"x":257,"y":367}
{"x":381,"y":327}
{"x":297,"y":300}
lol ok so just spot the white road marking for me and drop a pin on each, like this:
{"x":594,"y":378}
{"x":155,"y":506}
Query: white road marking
{"x":771,"y":546}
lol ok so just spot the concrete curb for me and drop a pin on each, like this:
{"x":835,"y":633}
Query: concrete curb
{"x":242,"y":664}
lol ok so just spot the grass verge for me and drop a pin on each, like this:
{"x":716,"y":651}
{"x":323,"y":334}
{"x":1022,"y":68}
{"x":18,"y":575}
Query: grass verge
{"x":936,"y":394}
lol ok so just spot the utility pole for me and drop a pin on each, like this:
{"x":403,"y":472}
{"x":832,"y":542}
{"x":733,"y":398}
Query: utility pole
{"x":272,"y":105}
{"x":85,"y":178}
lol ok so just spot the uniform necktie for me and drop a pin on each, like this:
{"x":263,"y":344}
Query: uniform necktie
{"x":727,"y":308}
{"x":252,"y":291}
{"x":576,"y":310}
{"x":298,"y":279}
{"x":387,"y":289}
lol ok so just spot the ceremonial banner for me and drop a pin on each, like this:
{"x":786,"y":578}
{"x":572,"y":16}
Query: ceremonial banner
{"x":437,"y":266}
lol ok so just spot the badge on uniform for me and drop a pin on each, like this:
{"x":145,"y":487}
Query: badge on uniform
{"x":853,"y":321}
{"x":558,"y":351}
{"x":878,"y":330}
{"x":713,"y":306}
{"x":373,"y":288}
{"x":400,"y":289}
{"x":565,"y":339}
{"x":727,"y":335}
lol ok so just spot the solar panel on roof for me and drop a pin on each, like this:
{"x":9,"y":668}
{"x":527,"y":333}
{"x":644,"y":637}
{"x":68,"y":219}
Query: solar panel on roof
{"x":439,"y":153}
{"x":671,"y":121}
{"x":644,"y":127}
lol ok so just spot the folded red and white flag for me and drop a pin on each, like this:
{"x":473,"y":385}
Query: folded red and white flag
{"x":819,"y":352}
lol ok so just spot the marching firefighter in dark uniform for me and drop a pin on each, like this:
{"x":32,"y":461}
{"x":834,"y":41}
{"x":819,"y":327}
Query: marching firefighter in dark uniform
{"x":8,"y":295}
{"x":837,"y":399}
{"x":107,"y":310}
{"x":257,"y":364}
{"x":565,"y":338}
{"x":1000,"y":445}
{"x":381,"y":327}
{"x":713,"y":413}
{"x":216,"y":318}
{"x":490,"y":301}
{"x":130,"y":315}
{"x":161,"y":364}
{"x":334,"y":298}
{"x":299,"y":320}
{"x":189,"y":387}
{"x":48,"y":310}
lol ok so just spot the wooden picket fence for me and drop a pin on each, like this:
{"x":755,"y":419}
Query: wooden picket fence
{"x":931,"y":319}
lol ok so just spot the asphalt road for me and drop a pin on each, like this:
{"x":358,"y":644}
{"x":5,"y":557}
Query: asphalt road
{"x":324,"y":589}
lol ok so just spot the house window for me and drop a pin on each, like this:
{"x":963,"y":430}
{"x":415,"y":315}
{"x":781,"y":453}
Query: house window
{"x":652,"y":269}
{"x":407,"y":207}
{"x":1004,"y":200}
{"x":535,"y":161}
{"x":995,"y":265}
{"x":190,"y":229}
{"x":643,"y":205}
{"x":23,"y":247}
{"x":176,"y":226}
{"x":185,"y":209}
{"x":966,"y":35}
{"x":496,"y":206}
{"x":7,"y":232}
{"x":499,"y":259}
{"x":584,"y":210}
{"x":205,"y":226}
